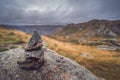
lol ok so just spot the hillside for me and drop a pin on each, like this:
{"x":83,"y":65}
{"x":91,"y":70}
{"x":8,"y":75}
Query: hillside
{"x":101,"y":33}
{"x":94,"y":44}
{"x":102,"y":63}
{"x":91,"y":30}
{"x":36,"y":62}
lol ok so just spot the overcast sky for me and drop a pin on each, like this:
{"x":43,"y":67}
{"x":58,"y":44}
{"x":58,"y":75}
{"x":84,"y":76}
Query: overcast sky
{"x":57,"y":11}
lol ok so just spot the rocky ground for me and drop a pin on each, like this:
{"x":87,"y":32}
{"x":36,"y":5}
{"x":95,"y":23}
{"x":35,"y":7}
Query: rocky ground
{"x":55,"y":67}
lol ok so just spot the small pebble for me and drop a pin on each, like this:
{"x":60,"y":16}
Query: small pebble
{"x":34,"y":72}
{"x":16,"y":75}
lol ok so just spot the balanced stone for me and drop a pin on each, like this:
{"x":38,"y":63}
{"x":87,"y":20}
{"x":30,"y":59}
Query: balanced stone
{"x":34,"y":53}
{"x":32,"y":62}
{"x":34,"y":43}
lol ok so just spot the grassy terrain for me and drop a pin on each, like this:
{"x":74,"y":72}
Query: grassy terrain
{"x":10,"y":38}
{"x":102,"y":63}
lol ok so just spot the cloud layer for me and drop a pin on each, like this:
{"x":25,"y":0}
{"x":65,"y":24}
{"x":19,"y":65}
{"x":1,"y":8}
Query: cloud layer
{"x":57,"y":11}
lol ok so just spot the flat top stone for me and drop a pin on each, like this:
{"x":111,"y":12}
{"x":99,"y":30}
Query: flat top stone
{"x":35,"y":53}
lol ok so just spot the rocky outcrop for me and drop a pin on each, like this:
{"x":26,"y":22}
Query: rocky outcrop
{"x":55,"y":67}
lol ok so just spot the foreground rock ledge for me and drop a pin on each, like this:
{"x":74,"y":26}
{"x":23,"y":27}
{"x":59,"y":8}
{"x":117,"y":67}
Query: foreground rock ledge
{"x":56,"y":67}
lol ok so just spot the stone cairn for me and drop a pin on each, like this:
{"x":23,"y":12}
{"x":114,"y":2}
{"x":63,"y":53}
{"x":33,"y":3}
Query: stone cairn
{"x":34,"y":53}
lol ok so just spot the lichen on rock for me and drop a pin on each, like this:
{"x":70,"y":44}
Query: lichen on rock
{"x":55,"y":67}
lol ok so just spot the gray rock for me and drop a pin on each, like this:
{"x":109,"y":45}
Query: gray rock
{"x":34,"y":39}
{"x":34,"y":43}
{"x":50,"y":70}
{"x":31,"y":48}
{"x":86,"y":55}
{"x":106,"y":47}
{"x":34,"y":54}
{"x":31,"y":60}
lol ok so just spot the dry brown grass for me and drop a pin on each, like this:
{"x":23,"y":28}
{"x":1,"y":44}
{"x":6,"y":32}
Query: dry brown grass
{"x":17,"y":35}
{"x":103,"y":63}
{"x":10,"y":38}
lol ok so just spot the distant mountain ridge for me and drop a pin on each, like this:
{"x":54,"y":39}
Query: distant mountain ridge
{"x":96,"y":28}
{"x":42,"y":29}
{"x":91,"y":29}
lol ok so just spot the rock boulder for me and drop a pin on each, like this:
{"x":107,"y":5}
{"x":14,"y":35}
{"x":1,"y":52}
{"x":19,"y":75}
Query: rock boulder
{"x":55,"y":67}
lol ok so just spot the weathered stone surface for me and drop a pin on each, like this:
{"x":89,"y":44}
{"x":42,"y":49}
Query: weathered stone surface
{"x":106,"y":47}
{"x":34,"y":43}
{"x":31,"y":48}
{"x":34,"y":39}
{"x":32,"y":60}
{"x":55,"y":67}
{"x":31,"y":63}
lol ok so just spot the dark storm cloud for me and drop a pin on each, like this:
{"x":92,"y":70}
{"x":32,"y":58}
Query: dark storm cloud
{"x":57,"y":11}
{"x":111,"y":9}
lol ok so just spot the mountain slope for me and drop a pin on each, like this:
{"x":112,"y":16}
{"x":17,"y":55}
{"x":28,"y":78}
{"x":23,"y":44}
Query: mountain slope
{"x":103,"y":63}
{"x":90,"y":29}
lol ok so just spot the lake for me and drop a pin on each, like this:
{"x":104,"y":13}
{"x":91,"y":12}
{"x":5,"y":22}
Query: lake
{"x":41,"y":29}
